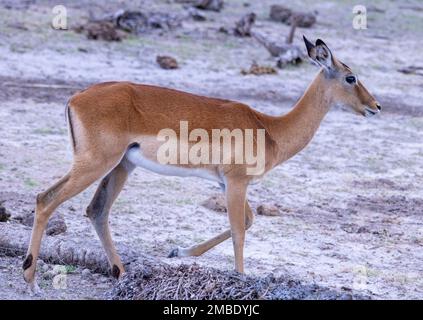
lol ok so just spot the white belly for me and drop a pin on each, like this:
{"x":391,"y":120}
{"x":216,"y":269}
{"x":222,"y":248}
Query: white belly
{"x":134,"y":155}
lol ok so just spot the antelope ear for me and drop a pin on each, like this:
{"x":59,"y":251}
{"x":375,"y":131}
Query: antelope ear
{"x":310,"y":47}
{"x":320,"y":53}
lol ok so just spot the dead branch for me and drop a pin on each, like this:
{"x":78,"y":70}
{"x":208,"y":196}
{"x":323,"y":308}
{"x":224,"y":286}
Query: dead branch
{"x":294,"y":24}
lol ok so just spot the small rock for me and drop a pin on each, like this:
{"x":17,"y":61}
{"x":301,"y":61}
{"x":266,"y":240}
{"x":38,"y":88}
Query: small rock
{"x":304,"y":19}
{"x":40,"y":264}
{"x":166,"y":62}
{"x":224,"y":30}
{"x":363,"y":230}
{"x":4,"y":216}
{"x":101,"y":30}
{"x":268,"y":210}
{"x":86,"y":273}
{"x":215,"y":203}
{"x":56,"y":224}
{"x":45,"y":267}
{"x":48,"y":275}
{"x":280,"y":13}
{"x":346,"y":296}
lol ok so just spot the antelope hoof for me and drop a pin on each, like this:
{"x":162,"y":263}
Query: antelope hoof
{"x":33,"y":289}
{"x":174,"y":253}
{"x":116,"y":273}
{"x":27,"y":262}
{"x":29,"y":273}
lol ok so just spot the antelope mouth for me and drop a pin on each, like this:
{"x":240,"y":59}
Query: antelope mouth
{"x":368,"y":112}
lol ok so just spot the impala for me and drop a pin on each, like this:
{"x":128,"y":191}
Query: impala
{"x":113,"y":128}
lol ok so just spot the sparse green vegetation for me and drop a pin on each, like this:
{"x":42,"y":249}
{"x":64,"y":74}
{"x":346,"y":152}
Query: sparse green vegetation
{"x":30,"y":183}
{"x":70,"y":269}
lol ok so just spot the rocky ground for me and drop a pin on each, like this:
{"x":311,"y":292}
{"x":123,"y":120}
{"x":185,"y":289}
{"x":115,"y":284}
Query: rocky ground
{"x":350,"y":204}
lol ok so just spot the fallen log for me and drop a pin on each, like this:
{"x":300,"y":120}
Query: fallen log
{"x":14,"y":239}
{"x":148,"y":278}
{"x":286,"y":53}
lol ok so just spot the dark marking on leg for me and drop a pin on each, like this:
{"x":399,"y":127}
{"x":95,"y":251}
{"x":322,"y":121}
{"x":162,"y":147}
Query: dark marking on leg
{"x":115,"y":271}
{"x":71,"y":131}
{"x":133,"y":145}
{"x":96,"y":207}
{"x":27,"y":262}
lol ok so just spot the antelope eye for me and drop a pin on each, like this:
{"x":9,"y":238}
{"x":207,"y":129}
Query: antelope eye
{"x":351,"y":79}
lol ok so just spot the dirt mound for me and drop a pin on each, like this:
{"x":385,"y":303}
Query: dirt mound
{"x":152,"y":282}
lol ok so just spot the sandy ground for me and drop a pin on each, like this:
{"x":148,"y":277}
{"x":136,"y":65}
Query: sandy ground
{"x":351,"y":202}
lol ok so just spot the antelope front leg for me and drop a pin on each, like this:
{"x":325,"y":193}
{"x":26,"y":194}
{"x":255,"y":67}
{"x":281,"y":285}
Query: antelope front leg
{"x":235,"y":198}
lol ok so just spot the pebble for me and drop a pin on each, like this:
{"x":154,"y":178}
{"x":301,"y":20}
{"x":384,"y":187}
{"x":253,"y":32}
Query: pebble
{"x":215,"y":203}
{"x":86,"y":273}
{"x":40,"y":264}
{"x":4,"y":216}
{"x":268,"y":210}
{"x":48,"y":275}
{"x":45,"y":268}
{"x":56,"y":224}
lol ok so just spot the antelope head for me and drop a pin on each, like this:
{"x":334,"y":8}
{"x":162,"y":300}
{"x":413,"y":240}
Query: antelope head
{"x":343,"y":85}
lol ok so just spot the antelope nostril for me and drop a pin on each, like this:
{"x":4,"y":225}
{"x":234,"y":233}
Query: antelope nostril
{"x":378,"y":106}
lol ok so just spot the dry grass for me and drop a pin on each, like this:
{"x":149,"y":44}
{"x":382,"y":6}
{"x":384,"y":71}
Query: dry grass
{"x":192,"y":282}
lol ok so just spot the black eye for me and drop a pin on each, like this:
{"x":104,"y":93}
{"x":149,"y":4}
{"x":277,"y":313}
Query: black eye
{"x":351,"y":79}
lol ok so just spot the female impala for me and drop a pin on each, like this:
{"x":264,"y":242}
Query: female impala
{"x":114,"y":126}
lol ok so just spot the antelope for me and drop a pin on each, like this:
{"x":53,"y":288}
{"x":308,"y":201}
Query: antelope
{"x":113,"y":128}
